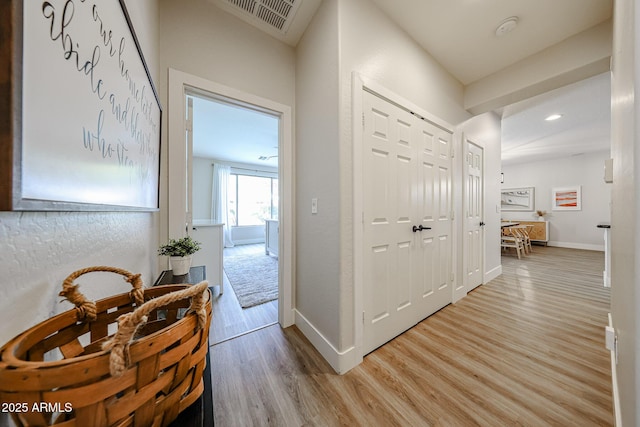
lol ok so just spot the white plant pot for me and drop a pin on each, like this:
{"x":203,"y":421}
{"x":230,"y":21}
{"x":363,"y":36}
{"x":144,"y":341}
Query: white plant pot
{"x":540,"y":218}
{"x":180,"y":265}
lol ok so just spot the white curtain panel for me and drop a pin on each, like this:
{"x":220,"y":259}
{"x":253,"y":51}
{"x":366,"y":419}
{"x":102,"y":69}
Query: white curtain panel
{"x":219,"y":200}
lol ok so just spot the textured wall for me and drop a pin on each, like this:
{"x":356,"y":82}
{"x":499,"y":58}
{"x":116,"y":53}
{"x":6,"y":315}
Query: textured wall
{"x":40,"y":249}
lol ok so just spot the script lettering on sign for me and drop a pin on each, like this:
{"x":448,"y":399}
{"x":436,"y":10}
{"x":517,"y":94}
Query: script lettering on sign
{"x":91,"y":118}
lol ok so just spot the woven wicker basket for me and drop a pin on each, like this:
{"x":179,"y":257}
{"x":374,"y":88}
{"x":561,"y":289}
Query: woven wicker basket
{"x":110,"y":380}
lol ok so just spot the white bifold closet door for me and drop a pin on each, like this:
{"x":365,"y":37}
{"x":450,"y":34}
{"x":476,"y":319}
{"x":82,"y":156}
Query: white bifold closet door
{"x":407,"y":235}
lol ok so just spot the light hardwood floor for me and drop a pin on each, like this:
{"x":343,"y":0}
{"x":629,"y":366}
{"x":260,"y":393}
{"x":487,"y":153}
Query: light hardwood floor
{"x":526,"y":349}
{"x":231,"y":320}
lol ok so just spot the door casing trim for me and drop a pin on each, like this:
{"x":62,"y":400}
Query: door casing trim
{"x":178,"y":82}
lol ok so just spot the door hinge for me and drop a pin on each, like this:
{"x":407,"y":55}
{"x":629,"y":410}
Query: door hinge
{"x":363,"y":317}
{"x":363,"y":120}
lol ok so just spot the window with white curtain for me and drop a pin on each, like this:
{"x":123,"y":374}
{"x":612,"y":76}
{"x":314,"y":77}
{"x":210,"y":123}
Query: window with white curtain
{"x":252,"y":199}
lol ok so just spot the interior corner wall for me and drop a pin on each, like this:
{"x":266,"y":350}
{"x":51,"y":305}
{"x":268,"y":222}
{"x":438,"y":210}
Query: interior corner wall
{"x":371,"y":45}
{"x":318,"y":176}
{"x":201,"y":39}
{"x":39,"y":249}
{"x":571,"y":229}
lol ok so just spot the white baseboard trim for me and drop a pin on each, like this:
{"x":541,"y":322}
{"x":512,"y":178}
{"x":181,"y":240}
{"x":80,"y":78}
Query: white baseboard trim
{"x":614,"y":385}
{"x":570,"y":245}
{"x":341,"y":362}
{"x":492,"y":274}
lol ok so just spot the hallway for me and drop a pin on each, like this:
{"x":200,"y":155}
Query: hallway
{"x":525,"y":349}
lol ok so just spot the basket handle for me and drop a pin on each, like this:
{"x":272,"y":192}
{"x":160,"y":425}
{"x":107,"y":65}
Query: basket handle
{"x":128,"y":323}
{"x":86,"y":309}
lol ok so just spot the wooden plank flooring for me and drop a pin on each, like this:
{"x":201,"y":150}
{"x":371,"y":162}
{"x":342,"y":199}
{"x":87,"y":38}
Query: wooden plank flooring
{"x":229,"y":319}
{"x":526,"y":349}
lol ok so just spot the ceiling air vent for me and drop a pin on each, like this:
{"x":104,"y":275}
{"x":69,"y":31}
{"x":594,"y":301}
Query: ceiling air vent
{"x":276,"y":14}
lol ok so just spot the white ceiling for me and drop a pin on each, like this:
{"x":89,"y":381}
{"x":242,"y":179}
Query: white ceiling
{"x":460,"y":35}
{"x":234,"y":134}
{"x":584,"y":127}
{"x":475,"y":52}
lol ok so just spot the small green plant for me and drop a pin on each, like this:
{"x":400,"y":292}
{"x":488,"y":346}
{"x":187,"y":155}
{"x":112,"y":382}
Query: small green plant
{"x":180,"y":247}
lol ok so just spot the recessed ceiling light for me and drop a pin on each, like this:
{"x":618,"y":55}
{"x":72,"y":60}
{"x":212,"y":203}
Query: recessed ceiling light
{"x":553,"y":117}
{"x":507,"y":26}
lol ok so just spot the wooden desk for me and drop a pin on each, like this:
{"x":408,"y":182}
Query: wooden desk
{"x":200,"y":413}
{"x":508,"y":224}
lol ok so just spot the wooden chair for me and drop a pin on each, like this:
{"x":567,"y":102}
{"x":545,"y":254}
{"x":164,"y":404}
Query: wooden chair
{"x":522,"y":231}
{"x":510,"y":239}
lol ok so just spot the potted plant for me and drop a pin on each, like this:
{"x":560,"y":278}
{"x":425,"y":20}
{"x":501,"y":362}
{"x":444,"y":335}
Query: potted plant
{"x":541,"y":215}
{"x":179,"y":252}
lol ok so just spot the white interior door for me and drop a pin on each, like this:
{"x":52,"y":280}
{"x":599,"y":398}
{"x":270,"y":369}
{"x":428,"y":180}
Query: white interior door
{"x":474,"y":225}
{"x":406,"y":220}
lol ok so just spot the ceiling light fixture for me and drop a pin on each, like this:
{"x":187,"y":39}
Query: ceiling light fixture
{"x":507,"y":26}
{"x":553,"y":117}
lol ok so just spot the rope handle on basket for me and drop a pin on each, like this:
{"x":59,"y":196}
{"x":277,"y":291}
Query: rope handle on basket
{"x":128,"y":323}
{"x":86,"y":309}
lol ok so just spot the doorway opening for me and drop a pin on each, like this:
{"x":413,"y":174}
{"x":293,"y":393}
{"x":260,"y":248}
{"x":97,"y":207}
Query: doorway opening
{"x":179,"y":219}
{"x":234,"y":150}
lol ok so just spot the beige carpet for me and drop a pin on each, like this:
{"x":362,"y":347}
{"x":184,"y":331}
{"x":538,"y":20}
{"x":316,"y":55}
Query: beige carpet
{"x":254,"y":278}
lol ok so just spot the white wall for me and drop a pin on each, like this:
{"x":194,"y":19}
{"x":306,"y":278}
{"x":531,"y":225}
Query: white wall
{"x":625,"y":218}
{"x":346,"y":37}
{"x":318,"y":291}
{"x":572,"y":229}
{"x":199,"y":38}
{"x":373,"y":46}
{"x":40,"y":249}
{"x":202,"y":188}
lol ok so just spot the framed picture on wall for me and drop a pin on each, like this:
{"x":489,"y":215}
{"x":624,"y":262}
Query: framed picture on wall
{"x":518,"y":199}
{"x":566,"y":198}
{"x":84,"y":114}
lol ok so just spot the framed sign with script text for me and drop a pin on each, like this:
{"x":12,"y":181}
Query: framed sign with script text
{"x":80,"y":117}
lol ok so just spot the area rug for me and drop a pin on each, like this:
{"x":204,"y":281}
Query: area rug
{"x":254,"y":278}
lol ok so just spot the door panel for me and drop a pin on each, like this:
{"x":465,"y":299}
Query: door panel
{"x":407,"y":176}
{"x":380,"y":282}
{"x":474,"y":235}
